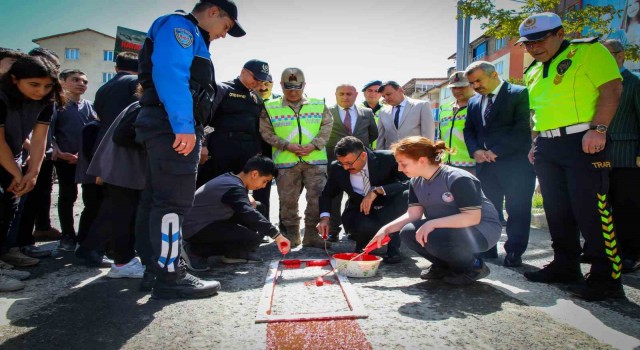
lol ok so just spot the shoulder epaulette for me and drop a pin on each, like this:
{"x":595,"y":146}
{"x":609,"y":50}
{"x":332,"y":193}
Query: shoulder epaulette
{"x":531,"y":65}
{"x":591,"y":40}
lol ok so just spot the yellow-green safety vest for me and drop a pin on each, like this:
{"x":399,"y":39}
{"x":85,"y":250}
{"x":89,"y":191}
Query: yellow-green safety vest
{"x":297,"y":128}
{"x":376,"y":118}
{"x":569,"y":92}
{"x":451,"y":132}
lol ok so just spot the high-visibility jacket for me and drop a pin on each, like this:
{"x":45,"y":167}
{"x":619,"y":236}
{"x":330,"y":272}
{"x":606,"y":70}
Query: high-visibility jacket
{"x":297,"y":128}
{"x":451,"y":127}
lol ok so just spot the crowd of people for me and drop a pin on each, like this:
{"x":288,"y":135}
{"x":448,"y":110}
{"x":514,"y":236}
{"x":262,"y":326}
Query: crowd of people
{"x":196,"y":160}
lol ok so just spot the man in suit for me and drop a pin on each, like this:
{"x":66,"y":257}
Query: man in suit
{"x":498,"y":136}
{"x":402,"y":116}
{"x":377,"y":192}
{"x":348,"y":120}
{"x":624,"y":131}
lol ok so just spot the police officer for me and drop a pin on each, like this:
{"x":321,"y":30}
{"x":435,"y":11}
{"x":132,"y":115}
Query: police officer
{"x":372,"y":101}
{"x":298,"y":129}
{"x":574,"y":88}
{"x":178,"y":79}
{"x":453,"y":116}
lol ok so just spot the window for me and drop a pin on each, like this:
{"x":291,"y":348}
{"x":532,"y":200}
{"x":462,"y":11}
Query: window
{"x":447,"y":93}
{"x":108,"y":56}
{"x":107,"y":76}
{"x":480,"y":51}
{"x":72,"y":54}
{"x":421,"y":87}
{"x":500,"y":43}
{"x":500,"y":67}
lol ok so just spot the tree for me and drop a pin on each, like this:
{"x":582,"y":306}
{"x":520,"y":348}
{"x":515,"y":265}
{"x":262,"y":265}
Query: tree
{"x":501,"y":23}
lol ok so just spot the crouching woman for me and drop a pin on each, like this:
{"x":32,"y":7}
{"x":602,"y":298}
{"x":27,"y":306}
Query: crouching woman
{"x":460,"y":221}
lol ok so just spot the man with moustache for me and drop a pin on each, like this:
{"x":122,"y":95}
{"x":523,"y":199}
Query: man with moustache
{"x":348,"y":120}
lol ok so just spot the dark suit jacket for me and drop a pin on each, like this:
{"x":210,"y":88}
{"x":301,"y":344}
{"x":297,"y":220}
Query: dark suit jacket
{"x":383,"y":171}
{"x":365,"y":129}
{"x":508,"y":130}
{"x":624,"y":129}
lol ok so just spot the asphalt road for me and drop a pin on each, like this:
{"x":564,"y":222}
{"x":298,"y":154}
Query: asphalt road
{"x":68,"y":306}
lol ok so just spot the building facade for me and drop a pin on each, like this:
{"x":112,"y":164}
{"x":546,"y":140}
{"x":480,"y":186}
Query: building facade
{"x":87,"y":50}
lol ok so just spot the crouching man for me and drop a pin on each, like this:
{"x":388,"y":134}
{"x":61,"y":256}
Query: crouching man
{"x":225,"y":220}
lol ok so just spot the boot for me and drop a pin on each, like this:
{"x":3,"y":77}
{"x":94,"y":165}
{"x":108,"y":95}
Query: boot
{"x":313,"y":239}
{"x":181,"y":284}
{"x":293,"y":234}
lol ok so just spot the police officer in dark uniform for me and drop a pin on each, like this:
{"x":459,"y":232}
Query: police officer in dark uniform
{"x":574,"y":88}
{"x":178,"y":79}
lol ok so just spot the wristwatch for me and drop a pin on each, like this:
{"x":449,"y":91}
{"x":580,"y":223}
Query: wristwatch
{"x":600,"y":128}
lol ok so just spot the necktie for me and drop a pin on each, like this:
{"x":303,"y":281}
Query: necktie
{"x":396,"y":119}
{"x":366,"y":188}
{"x":347,"y":121}
{"x":487,"y":110}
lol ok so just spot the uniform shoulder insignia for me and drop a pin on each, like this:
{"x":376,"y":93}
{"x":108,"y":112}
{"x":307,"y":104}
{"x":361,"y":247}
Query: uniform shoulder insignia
{"x":183,"y":36}
{"x":531,"y":65}
{"x":590,"y":40}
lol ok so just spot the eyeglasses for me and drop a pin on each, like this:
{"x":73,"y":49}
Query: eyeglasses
{"x":350,"y":164}
{"x":536,"y":42}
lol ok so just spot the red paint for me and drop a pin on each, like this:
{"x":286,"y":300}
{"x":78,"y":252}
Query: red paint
{"x":283,"y":247}
{"x":319,"y":281}
{"x":317,"y":263}
{"x":349,"y":256}
{"x":372,"y":246}
{"x":291,"y":263}
{"x":320,"y":335}
{"x":313,"y":282}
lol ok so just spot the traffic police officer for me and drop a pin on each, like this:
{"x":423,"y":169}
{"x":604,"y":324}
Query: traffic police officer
{"x":178,"y":79}
{"x":453,"y":116}
{"x":574,"y":88}
{"x":298,"y":128}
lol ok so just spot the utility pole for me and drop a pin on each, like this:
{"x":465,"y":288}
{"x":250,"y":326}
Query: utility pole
{"x":464,"y":30}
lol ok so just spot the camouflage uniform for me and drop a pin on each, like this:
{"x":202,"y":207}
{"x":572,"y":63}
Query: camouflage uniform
{"x":291,"y":181}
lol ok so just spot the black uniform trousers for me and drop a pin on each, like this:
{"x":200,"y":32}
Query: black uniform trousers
{"x":452,"y":248}
{"x":361,"y":228}
{"x":575,"y":188}
{"x":514,"y":180}
{"x":171,"y":184}
{"x":226,"y":237}
{"x":8,"y":208}
{"x":115,"y":222}
{"x":625,"y":201}
{"x":37,"y":205}
{"x":68,"y":193}
{"x":92,"y":199}
{"x":229,"y":152}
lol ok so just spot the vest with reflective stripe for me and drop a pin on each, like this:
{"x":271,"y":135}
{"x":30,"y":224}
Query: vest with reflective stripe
{"x":297,"y":128}
{"x":376,"y":118}
{"x":451,"y":132}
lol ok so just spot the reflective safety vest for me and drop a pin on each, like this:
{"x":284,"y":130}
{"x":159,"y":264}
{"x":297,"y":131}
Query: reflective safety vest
{"x":567,"y":92}
{"x":376,"y":118}
{"x":297,"y":128}
{"x":451,"y":132}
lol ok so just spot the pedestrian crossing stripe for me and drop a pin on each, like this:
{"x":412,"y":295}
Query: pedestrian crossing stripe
{"x":609,"y":236}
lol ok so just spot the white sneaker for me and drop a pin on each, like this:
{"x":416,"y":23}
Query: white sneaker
{"x":8,"y":284}
{"x":133,"y":269}
{"x":15,"y":274}
{"x":106,"y":262}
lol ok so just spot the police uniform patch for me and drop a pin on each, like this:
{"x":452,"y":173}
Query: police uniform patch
{"x":184,"y":37}
{"x":562,"y":68}
{"x":447,"y":197}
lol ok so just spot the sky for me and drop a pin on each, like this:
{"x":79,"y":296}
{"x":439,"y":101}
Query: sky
{"x":332,"y":41}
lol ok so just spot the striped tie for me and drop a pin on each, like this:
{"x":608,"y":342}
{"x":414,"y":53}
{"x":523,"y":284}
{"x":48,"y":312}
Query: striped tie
{"x":365,"y":181}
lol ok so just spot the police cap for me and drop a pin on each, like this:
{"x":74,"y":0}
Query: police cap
{"x":231,"y":9}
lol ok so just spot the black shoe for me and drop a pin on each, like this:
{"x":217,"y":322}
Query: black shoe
{"x":194,"y":262}
{"x":392,"y":259}
{"x":586,"y":259}
{"x":597,"y":288}
{"x":435,"y":272}
{"x":333,"y":237}
{"x":553,"y":273}
{"x":512,"y":260}
{"x":92,"y":258}
{"x":148,"y":280}
{"x":183,"y":285}
{"x":489,"y":254}
{"x":67,"y":244}
{"x":630,"y":265}
{"x":469,"y":277}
